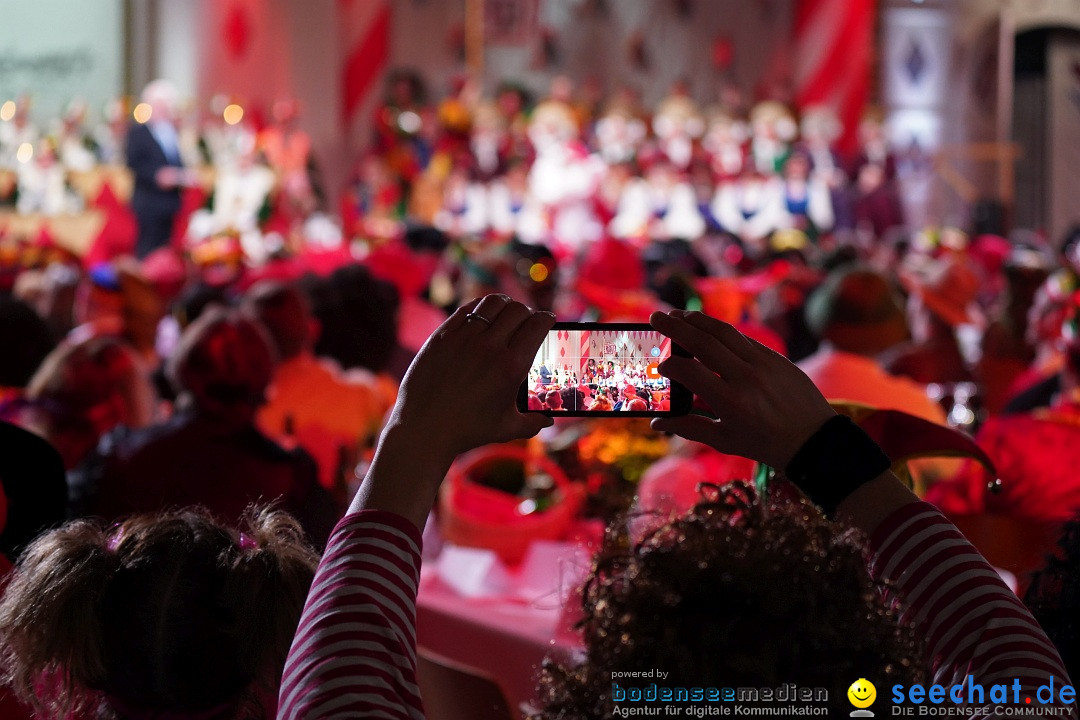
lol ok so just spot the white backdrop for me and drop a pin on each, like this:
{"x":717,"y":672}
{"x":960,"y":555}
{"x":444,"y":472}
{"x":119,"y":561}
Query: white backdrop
{"x":58,"y":50}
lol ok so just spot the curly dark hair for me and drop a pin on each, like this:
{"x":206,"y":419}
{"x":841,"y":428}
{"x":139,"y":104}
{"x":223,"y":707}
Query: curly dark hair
{"x":1054,"y":597}
{"x":736,"y":593}
{"x":170,"y":612}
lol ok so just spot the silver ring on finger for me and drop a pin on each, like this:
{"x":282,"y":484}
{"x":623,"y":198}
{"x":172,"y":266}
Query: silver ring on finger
{"x":474,"y":316}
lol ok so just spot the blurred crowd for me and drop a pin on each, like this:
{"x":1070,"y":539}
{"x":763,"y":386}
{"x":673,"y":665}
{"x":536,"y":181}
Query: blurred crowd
{"x":562,"y":170}
{"x":612,"y":385}
{"x":578,"y":165}
{"x":584,"y":204}
{"x":237,"y":333}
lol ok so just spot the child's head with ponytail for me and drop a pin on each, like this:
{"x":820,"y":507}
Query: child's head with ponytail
{"x":168,"y":613}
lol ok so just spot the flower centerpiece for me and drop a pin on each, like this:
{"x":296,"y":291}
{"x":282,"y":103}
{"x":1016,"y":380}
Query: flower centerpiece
{"x":612,"y":455}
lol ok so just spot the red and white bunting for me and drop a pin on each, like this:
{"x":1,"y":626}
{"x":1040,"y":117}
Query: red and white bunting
{"x":364,"y":27}
{"x":833,"y":42}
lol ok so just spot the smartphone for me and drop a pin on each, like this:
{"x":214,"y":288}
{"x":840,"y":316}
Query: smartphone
{"x":603,"y":370}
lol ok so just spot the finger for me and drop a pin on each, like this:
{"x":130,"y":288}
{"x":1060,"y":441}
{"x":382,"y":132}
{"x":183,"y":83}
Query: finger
{"x":509,"y":320}
{"x":694,"y":427}
{"x":527,"y":338}
{"x":533,"y":423}
{"x":701,"y":381}
{"x":457,"y":319}
{"x":726,"y":333}
{"x":705,"y":347}
{"x":526,"y":425}
{"x":488,"y":309}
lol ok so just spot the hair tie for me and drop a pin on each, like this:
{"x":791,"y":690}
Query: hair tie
{"x":247,"y":542}
{"x":116,"y":536}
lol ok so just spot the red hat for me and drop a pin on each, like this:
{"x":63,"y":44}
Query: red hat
{"x":613,"y":264}
{"x":905,"y":437}
{"x":990,"y":252}
{"x":395,"y":263}
{"x":612,"y":278}
{"x":165,"y":270}
{"x":948,"y":291}
{"x":618,"y":305}
{"x":722,"y":298}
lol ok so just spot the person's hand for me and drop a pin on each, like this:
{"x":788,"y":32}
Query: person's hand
{"x":168,"y":177}
{"x":765,"y":407}
{"x":461,"y":390}
{"x":459,"y":393}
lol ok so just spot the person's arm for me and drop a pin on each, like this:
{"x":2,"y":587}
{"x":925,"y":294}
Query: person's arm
{"x":971,"y":622}
{"x":354,"y":652}
{"x":767,"y":409}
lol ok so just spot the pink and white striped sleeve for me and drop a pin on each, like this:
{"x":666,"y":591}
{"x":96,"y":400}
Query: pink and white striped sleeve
{"x":354,"y":652}
{"x":972,"y":623}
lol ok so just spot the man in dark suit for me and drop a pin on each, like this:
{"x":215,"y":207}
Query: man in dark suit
{"x":153,"y":154}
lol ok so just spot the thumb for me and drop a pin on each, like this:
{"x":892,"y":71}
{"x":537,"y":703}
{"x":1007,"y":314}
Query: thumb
{"x":526,"y":425}
{"x":692,"y":427}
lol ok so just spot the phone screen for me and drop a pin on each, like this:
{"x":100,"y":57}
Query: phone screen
{"x":585,"y":369}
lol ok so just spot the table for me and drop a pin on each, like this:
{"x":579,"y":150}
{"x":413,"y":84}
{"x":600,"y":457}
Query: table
{"x":503,"y":639}
{"x":75,"y":232}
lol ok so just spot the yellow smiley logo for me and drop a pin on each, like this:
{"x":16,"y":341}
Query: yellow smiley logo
{"x":862,"y":693}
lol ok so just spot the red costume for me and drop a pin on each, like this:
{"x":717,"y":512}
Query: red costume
{"x":1036,"y":457}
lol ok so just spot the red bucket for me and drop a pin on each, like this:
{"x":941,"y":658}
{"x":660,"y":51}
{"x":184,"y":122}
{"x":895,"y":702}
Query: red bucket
{"x":473,"y":515}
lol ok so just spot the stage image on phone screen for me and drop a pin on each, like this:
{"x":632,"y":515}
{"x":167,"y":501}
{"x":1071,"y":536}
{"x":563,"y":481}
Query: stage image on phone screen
{"x":600,"y":370}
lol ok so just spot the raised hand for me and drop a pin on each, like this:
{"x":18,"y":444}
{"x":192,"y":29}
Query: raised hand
{"x":765,"y":407}
{"x":459,"y":393}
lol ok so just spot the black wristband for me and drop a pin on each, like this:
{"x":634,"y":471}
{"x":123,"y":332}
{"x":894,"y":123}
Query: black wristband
{"x":836,"y":460}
